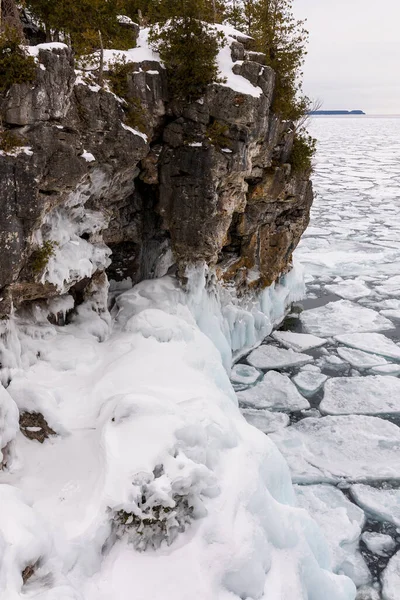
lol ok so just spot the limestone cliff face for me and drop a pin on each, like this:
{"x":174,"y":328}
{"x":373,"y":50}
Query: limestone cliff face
{"x":210,"y":181}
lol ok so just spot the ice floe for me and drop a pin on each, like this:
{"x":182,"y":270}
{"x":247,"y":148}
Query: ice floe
{"x":391,"y":579}
{"x":309,"y":382}
{"x":381,"y":504}
{"x":381,"y":544}
{"x":244,"y":374}
{"x":264,"y":420}
{"x":275,"y":392}
{"x":374,"y":343}
{"x":298,"y":341}
{"x":371,"y":395}
{"x":349,"y":289}
{"x":272,"y":357}
{"x":342,"y":317}
{"x":389,"y":369}
{"x":360,"y":359}
{"x":391,"y":287}
{"x":356,"y":448}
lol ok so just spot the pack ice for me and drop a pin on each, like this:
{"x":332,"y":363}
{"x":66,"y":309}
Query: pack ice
{"x":335,"y":448}
{"x":151,"y":484}
{"x":381,"y":504}
{"x":374,"y":343}
{"x":272,"y":357}
{"x":391,"y":579}
{"x":343,"y":317}
{"x":275,"y":392}
{"x":372,"y":395}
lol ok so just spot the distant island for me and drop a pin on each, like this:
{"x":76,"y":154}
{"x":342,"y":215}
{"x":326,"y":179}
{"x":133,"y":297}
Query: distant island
{"x":336,"y":112}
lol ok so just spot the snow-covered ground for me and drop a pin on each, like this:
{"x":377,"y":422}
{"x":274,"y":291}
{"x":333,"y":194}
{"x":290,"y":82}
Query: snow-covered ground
{"x":349,"y":326}
{"x":149,"y":482}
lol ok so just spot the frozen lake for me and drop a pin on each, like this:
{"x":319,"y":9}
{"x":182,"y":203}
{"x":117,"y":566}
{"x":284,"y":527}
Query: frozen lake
{"x":344,"y":449}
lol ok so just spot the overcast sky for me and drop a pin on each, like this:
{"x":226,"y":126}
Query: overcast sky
{"x":353,"y":57}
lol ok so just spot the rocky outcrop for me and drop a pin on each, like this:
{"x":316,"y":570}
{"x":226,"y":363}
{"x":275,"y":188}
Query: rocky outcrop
{"x":208,"y":181}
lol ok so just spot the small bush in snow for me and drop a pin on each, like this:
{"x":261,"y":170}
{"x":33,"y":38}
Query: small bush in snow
{"x":164,"y":503}
{"x":85,"y":25}
{"x":158,"y":524}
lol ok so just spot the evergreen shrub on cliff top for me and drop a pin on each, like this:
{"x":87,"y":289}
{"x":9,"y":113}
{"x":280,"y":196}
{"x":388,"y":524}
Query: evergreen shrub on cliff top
{"x":283,"y":39}
{"x":187,"y":45}
{"x":15,"y":65}
{"x":80,"y":23}
{"x":188,"y":49}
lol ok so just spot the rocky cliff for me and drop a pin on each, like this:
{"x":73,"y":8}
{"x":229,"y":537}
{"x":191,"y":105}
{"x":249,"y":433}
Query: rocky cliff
{"x":83,"y":192}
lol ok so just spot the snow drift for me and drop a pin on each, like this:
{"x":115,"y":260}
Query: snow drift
{"x":153,"y":485}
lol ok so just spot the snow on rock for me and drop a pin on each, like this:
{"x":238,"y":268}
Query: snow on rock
{"x":225,"y":64}
{"x":34,"y":50}
{"x":124,"y":20}
{"x":391,"y":579}
{"x":309,"y":382}
{"x":349,"y":289}
{"x":140,"y":53}
{"x":272,"y":357}
{"x":264,"y":420}
{"x":235,"y":82}
{"x":160,"y":471}
{"x":378,"y":543}
{"x":341,"y":523}
{"x":360,"y":359}
{"x":144,"y":52}
{"x":352,"y":447}
{"x":298,"y":341}
{"x":18,"y":150}
{"x":88,"y":156}
{"x":244,"y":374}
{"x":135,"y":131}
{"x":9,"y":425}
{"x":373,"y":343}
{"x":275,"y":392}
{"x":381,"y":504}
{"x":342,"y":317}
{"x":371,"y":395}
